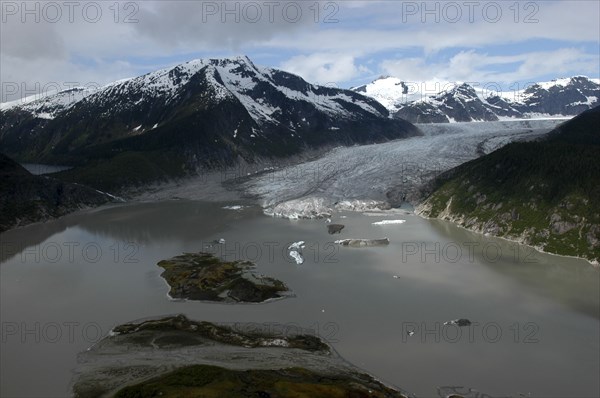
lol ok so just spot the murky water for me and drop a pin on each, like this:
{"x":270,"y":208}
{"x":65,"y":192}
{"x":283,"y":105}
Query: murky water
{"x":66,"y":283}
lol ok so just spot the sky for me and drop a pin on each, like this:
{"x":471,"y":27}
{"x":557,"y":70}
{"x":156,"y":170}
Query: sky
{"x":52,"y":45}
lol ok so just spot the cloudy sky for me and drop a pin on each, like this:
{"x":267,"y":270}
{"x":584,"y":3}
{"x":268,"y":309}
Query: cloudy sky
{"x":345,"y":43}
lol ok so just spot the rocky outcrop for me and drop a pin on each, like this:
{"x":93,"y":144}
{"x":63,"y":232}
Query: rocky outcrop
{"x":334,"y":228}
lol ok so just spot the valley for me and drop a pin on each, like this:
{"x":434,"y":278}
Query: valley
{"x":220,"y":228}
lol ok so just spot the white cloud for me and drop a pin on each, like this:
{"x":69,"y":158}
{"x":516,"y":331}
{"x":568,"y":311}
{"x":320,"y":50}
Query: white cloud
{"x":472,"y":66}
{"x":556,"y":21}
{"x":106,"y":50}
{"x":324,"y":68}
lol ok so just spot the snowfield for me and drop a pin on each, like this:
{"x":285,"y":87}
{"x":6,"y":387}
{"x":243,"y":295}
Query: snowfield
{"x":360,"y":178}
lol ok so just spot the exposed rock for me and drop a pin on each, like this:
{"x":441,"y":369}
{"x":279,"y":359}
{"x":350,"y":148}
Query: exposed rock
{"x":514,"y":215}
{"x":593,"y":236}
{"x":334,"y":228}
{"x":459,"y":322}
{"x":561,"y":227}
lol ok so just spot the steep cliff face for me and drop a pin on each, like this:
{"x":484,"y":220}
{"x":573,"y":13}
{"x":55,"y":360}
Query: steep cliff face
{"x":542,"y":193}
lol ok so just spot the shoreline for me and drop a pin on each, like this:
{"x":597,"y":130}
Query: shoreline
{"x":595,"y":264}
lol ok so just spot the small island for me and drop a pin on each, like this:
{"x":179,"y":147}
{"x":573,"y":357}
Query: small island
{"x":174,"y":356}
{"x":202,"y":276}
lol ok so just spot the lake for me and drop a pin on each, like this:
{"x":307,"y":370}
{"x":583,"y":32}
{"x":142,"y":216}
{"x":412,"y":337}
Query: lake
{"x":535,"y":317}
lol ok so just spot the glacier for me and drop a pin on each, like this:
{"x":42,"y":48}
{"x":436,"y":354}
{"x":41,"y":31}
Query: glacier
{"x":365,"y":178}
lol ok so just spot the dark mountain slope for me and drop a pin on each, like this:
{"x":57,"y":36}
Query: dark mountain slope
{"x":543,"y":193}
{"x":197,"y":115}
{"x":27,"y":198}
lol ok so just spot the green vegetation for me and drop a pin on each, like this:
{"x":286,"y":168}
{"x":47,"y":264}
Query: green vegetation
{"x":202,"y":276}
{"x":212,"y":381}
{"x":544,"y":193}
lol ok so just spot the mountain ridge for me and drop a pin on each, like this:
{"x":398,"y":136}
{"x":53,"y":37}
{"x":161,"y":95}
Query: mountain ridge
{"x":446,"y":102}
{"x":193,"y":116}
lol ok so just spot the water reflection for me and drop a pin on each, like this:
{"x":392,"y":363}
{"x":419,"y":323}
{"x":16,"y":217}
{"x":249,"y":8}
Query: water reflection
{"x":366,"y":306}
{"x":572,"y":281}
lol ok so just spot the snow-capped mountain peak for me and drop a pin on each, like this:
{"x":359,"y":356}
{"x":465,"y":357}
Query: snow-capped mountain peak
{"x":227,"y":78}
{"x":459,"y":101}
{"x":228,"y":104}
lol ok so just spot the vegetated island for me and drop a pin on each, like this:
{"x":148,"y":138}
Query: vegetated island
{"x":175,"y":357}
{"x":203,"y":276}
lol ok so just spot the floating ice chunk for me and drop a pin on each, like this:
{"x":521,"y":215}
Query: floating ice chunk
{"x":297,"y":245}
{"x":295,"y":249}
{"x":388,"y":222}
{"x":297,"y":256}
{"x":363,"y":242}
